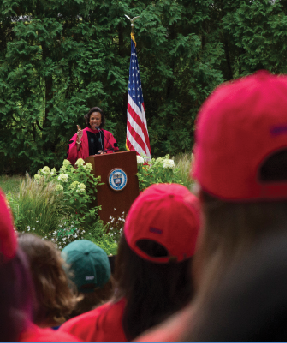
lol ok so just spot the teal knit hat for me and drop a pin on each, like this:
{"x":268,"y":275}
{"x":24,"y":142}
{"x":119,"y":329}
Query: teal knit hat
{"x":89,"y":263}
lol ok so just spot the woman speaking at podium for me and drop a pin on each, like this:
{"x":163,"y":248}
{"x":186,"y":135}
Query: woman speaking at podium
{"x":93,"y":140}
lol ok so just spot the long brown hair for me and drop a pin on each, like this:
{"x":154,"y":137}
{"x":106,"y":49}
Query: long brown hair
{"x":56,"y":300}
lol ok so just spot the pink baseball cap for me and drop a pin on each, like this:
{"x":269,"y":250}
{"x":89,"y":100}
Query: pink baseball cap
{"x":240,"y":126}
{"x":167,"y":214}
{"x":8,"y":240}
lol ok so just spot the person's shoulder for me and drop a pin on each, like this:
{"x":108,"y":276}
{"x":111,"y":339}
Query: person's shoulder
{"x":36,"y":334}
{"x":92,"y":326}
{"x":84,"y":317}
{"x":107,"y":132}
{"x":85,"y":322}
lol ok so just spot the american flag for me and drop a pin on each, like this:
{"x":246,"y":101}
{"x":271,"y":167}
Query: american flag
{"x":137,"y":134}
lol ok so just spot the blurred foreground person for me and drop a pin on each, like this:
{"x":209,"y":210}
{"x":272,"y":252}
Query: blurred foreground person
{"x":16,"y":289}
{"x":153,"y":278}
{"x":250,"y":301}
{"x":89,"y":270}
{"x":52,"y":293}
{"x":240,"y":164}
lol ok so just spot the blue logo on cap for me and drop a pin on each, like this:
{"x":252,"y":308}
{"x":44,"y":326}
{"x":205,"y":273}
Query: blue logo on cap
{"x":118,"y":179}
{"x":155,"y":230}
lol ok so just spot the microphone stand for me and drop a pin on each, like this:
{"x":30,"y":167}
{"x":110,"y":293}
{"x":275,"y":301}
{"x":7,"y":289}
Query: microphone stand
{"x":103,"y":145}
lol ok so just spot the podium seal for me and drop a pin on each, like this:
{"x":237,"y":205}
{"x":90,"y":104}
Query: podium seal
{"x":118,"y":179}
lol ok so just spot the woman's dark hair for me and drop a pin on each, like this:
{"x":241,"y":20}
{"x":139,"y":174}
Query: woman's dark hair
{"x":16,"y":297}
{"x":91,"y":111}
{"x":91,"y":300}
{"x":153,"y":291}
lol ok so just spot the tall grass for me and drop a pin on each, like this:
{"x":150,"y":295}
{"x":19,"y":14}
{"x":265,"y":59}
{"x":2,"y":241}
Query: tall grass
{"x":11,"y":183}
{"x":183,"y":162}
{"x":36,"y":208}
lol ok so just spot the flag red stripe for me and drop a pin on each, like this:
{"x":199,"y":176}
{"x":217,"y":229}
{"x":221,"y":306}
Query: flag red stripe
{"x":137,"y":119}
{"x":136,"y":136}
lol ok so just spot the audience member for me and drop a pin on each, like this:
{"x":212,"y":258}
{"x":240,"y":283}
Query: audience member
{"x":249,"y":303}
{"x":240,"y":163}
{"x":90,"y":272}
{"x":153,"y":278}
{"x":16,"y":290}
{"x":52,"y":293}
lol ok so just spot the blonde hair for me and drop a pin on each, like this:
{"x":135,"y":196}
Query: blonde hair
{"x":52,"y":293}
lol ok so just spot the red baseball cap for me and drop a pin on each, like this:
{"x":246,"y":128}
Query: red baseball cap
{"x":167,"y":214}
{"x":8,"y":240}
{"x":239,"y":127}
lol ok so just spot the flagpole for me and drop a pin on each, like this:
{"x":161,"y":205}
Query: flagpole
{"x":137,"y":133}
{"x":133,"y":26}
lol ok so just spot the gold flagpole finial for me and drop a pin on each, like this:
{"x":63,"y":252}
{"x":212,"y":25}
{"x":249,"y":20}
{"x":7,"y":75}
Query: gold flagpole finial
{"x":133,"y":26}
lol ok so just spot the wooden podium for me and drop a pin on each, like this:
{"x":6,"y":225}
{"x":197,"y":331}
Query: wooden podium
{"x":118,"y":171}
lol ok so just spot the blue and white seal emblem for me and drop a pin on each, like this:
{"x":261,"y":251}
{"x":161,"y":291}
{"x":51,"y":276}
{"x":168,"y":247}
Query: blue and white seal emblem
{"x":118,"y":179}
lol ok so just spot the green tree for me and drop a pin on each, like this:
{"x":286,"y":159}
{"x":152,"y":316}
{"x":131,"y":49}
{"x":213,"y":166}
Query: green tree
{"x":60,"y":58}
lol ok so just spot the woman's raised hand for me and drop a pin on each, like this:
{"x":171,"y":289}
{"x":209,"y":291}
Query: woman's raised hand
{"x":79,"y":132}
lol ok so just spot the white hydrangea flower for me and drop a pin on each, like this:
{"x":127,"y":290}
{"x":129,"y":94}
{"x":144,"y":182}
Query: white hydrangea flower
{"x":74,"y":184}
{"x":160,"y":159}
{"x":89,"y":166}
{"x":140,"y":159}
{"x":80,"y":162}
{"x":53,"y":171}
{"x":81,"y":188}
{"x":65,"y":163}
{"x":46,"y":170}
{"x":168,"y":164}
{"x":63,"y":177}
{"x":37,"y":177}
{"x":59,"y":188}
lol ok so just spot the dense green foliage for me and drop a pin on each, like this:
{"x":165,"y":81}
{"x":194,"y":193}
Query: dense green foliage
{"x":159,"y":170}
{"x":57,"y":205}
{"x":58,"y":58}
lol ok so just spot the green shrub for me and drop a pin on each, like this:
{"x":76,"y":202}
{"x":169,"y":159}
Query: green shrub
{"x":77,"y":189}
{"x":57,"y":205}
{"x":158,"y":170}
{"x":37,"y":207}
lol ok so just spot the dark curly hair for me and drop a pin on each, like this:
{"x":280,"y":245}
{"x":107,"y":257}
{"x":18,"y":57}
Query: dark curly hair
{"x":91,"y":111}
